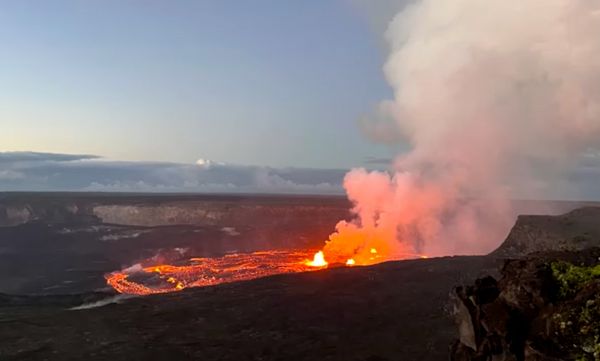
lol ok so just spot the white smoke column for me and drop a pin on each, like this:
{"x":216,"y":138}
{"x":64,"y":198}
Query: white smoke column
{"x":498,"y":99}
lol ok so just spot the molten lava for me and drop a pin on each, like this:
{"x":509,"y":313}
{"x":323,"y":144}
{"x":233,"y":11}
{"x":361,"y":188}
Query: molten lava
{"x":200,"y":272}
{"x":318,"y":260}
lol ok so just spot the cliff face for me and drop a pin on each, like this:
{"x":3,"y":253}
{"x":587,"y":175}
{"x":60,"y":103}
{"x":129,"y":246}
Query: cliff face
{"x":214,"y":214}
{"x":172,"y":210}
{"x":14,"y":214}
{"x":576,"y":230}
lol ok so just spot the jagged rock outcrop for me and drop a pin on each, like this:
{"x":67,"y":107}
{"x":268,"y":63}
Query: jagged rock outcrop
{"x":545,"y":307}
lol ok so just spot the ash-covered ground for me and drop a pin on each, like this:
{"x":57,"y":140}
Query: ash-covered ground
{"x":56,"y":248}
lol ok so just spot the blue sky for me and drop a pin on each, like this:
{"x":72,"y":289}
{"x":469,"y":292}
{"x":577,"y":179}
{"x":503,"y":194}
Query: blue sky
{"x":129,"y":94}
{"x":265,"y":82}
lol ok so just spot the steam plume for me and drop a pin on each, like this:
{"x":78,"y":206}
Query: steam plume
{"x":498,"y":99}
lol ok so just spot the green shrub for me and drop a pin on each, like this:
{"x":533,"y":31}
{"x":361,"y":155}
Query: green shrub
{"x":571,"y":278}
{"x":579,"y":325}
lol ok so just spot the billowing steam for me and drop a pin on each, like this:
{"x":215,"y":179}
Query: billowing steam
{"x":497,"y":99}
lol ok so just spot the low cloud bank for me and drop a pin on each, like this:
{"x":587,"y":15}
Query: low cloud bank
{"x":28,"y":171}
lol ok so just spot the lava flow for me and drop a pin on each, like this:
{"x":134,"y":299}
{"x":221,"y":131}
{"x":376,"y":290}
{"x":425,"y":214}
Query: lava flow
{"x":200,"y":272}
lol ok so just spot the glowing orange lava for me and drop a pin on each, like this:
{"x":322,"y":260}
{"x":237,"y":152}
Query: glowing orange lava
{"x":200,"y":272}
{"x":318,"y":260}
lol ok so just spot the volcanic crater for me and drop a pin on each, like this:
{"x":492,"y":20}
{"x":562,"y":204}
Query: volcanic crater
{"x":57,"y":249}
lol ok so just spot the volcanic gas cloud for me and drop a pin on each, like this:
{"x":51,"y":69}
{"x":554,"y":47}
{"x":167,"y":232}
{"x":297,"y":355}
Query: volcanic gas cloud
{"x":497,"y":99}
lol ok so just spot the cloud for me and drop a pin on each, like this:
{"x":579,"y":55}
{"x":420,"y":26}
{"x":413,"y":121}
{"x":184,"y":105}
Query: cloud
{"x":381,"y":126}
{"x":380,"y":13}
{"x":277,"y":183}
{"x":10,"y":175}
{"x":207,"y":163}
{"x":28,"y":171}
{"x":12,"y":157}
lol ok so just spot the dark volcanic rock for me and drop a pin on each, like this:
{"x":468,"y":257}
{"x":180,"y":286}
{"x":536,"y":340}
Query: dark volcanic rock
{"x":65,"y":301}
{"x":392,"y":311}
{"x":543,"y":308}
